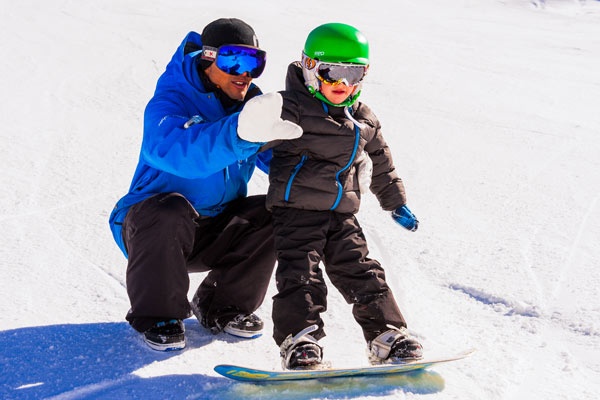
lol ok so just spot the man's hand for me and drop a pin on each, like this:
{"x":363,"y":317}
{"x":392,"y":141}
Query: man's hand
{"x":260,"y":120}
{"x":403,"y":216}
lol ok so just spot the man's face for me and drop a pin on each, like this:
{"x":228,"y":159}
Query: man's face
{"x":234,"y":86}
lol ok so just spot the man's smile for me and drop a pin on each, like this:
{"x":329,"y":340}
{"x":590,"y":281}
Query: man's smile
{"x":240,"y":83}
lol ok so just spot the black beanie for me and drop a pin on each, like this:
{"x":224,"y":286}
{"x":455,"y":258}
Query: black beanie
{"x":227,"y":31}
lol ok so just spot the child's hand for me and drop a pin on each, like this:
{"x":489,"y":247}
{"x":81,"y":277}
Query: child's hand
{"x":403,"y":216}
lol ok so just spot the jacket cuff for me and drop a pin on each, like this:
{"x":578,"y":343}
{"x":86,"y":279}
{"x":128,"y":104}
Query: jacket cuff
{"x":243,"y":148}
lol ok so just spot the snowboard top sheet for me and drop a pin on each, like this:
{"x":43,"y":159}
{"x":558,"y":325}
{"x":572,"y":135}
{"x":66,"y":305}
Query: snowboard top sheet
{"x":246,"y":374}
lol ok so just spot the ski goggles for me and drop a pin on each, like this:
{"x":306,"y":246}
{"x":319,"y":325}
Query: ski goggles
{"x":236,"y":59}
{"x":336,"y":73}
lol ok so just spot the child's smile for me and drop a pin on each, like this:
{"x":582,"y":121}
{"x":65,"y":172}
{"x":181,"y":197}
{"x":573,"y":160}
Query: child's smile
{"x":336,"y":94}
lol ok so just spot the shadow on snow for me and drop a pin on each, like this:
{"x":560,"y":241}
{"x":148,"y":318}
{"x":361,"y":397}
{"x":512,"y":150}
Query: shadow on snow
{"x":97,"y":361}
{"x":419,"y":382}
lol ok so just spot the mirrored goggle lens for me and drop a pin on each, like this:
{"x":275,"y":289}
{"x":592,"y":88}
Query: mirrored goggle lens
{"x":336,"y":73}
{"x":237,"y":59}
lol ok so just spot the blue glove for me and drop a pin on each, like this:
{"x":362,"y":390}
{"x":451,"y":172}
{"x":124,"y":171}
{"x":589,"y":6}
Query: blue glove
{"x":406,"y":218}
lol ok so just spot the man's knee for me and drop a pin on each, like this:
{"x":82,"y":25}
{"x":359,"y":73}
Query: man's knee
{"x":165,"y":206}
{"x":174,"y":204}
{"x":159,"y":211}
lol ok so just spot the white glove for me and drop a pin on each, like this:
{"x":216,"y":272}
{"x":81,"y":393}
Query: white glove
{"x":364,"y":171}
{"x":260,"y":120}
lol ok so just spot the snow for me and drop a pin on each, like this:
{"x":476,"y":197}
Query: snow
{"x":490,"y":108}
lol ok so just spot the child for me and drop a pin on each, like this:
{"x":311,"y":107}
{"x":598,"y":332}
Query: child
{"x":314,"y":194}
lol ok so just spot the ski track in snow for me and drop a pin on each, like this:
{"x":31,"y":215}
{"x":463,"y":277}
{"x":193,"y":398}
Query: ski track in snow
{"x":568,"y":265}
{"x":511,"y":307}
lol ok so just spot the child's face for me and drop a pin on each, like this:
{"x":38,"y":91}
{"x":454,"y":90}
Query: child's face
{"x":336,"y":94}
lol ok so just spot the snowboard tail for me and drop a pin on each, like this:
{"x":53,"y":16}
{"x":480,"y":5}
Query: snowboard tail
{"x":258,"y":375}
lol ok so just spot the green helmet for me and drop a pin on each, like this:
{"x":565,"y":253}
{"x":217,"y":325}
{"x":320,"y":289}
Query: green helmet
{"x":337,"y":43}
{"x":333,"y":42}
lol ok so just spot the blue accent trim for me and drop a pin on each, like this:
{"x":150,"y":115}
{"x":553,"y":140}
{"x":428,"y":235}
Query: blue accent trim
{"x":245,"y":337}
{"x":294,"y":173}
{"x":337,"y":176}
{"x":211,"y":212}
{"x":325,"y":107}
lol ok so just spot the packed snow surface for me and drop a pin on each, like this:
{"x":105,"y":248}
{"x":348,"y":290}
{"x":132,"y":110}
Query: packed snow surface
{"x":491,"y":109}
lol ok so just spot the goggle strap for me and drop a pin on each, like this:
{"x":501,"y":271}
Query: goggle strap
{"x":194,"y":53}
{"x":209,"y":53}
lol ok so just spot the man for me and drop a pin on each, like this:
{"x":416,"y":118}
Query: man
{"x":186,"y":209}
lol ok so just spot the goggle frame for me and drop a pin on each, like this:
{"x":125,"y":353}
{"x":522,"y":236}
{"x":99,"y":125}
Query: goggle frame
{"x":253,"y":58}
{"x":346,"y":81}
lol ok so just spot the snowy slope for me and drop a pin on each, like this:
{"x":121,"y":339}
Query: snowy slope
{"x":490,"y":108}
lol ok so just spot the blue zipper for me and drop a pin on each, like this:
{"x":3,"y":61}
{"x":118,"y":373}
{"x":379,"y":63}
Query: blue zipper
{"x":294,"y":173}
{"x":337,"y":176}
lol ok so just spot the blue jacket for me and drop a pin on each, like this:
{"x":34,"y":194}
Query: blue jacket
{"x":207,"y":162}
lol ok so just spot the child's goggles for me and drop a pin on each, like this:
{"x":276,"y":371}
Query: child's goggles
{"x":336,"y":73}
{"x":236,"y":59}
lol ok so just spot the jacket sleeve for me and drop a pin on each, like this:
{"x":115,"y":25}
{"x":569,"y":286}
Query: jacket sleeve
{"x":290,"y":109}
{"x":263,"y":161}
{"x":385,"y":182}
{"x":196,"y":152}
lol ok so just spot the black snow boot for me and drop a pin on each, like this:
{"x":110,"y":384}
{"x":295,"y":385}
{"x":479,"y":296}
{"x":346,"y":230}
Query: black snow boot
{"x":394,"y":347}
{"x":301,"y":351}
{"x":166,"y":335}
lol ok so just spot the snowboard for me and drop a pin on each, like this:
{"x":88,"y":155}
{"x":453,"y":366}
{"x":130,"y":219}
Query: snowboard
{"x":246,"y":374}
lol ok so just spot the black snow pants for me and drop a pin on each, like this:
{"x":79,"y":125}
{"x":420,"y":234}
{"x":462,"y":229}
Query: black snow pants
{"x":165,"y":239}
{"x":303,"y":239}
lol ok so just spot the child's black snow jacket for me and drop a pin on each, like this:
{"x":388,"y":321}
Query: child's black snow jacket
{"x":317,"y":171}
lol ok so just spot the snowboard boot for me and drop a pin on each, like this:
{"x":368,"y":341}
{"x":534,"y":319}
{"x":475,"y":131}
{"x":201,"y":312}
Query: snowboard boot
{"x":301,"y":351}
{"x":248,"y":326}
{"x":166,"y":335}
{"x":395,"y":346}
{"x":211,"y":326}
